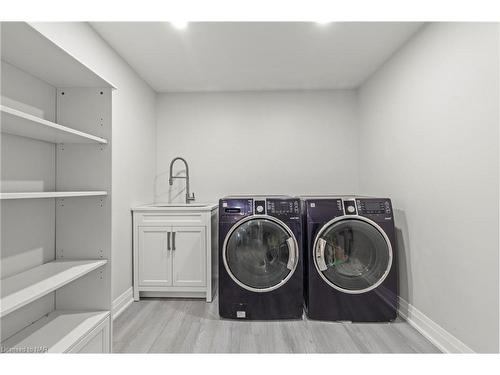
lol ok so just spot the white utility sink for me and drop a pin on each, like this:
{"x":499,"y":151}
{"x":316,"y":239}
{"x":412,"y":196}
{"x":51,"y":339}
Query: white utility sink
{"x":177,"y":207}
{"x":181,"y":204}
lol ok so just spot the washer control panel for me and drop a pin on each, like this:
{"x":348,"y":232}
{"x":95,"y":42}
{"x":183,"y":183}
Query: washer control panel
{"x":283,"y":207}
{"x":374,"y":206}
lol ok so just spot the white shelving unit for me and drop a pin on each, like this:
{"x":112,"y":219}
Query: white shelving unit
{"x":51,"y":194}
{"x":27,"y":286}
{"x":23,"y":124}
{"x":56,"y":253}
{"x":58,"y":331}
{"x":32,"y":52}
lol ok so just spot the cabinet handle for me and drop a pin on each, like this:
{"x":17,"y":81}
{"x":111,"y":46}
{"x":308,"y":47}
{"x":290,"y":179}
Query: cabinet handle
{"x":168,"y":240}
{"x":173,"y":240}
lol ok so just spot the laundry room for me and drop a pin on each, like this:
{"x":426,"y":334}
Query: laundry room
{"x":249,"y":186}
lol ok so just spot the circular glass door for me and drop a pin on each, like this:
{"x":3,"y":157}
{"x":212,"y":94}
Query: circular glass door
{"x":260,"y":254}
{"x":353,"y":255}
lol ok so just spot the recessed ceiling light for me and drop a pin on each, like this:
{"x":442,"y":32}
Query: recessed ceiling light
{"x":180,"y":25}
{"x":322,"y":23}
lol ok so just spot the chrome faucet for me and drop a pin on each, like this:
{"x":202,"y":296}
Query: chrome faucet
{"x":189,"y":198}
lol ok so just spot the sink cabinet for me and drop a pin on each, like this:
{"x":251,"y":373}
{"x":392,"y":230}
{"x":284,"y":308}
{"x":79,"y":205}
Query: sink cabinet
{"x":175,"y":251}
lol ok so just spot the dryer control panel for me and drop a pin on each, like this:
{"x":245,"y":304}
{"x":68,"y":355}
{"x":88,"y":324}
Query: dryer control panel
{"x":374,"y":207}
{"x":321,"y":208}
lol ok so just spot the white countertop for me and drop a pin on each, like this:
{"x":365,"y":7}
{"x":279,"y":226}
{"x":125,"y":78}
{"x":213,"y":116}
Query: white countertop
{"x":177,"y":207}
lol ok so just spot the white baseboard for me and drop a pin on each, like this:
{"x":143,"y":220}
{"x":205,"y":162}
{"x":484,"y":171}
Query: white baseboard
{"x":122,"y":302}
{"x":436,"y":334}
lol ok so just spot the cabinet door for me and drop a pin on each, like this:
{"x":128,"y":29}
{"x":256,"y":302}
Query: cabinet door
{"x":189,"y":256}
{"x":155,"y":259}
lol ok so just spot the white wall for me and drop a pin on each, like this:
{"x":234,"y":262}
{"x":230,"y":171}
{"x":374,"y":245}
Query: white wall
{"x":429,"y":139}
{"x":133,"y":140}
{"x":289,"y":142}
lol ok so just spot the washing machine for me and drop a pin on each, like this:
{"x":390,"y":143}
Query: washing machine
{"x":350,"y":267}
{"x":260,"y":258}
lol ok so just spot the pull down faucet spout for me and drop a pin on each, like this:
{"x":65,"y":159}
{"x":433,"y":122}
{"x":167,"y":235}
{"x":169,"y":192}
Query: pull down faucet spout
{"x":189,"y":197}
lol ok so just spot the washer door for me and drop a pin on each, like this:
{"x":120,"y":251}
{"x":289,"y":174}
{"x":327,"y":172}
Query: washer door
{"x":260,"y":253}
{"x":353,"y":255}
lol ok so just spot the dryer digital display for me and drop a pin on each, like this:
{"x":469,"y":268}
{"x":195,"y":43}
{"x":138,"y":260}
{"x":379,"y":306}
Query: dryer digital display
{"x":373,"y":206}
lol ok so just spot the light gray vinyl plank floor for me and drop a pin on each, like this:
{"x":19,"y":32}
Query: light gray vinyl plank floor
{"x":193,"y":326}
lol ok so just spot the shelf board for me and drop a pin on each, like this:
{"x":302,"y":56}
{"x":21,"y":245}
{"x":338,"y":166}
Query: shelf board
{"x":23,"y":124}
{"x":27,"y":286}
{"x":57,"y":332}
{"x":51,"y":194}
{"x":25,"y":47}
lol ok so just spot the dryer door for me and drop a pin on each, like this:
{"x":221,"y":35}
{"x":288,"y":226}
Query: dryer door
{"x":260,"y":253}
{"x":353,"y":255}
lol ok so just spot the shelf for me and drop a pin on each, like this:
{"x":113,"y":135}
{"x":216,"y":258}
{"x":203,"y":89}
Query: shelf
{"x":51,"y":194}
{"x":26,"y":48}
{"x":57,"y":332}
{"x":27,"y":286}
{"x":23,"y":124}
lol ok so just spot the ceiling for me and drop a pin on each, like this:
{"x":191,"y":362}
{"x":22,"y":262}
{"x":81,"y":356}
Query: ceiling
{"x":239,"y":56}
